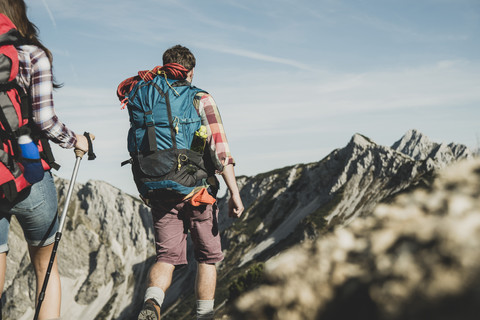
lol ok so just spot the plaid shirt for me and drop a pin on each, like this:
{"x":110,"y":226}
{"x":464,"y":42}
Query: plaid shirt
{"x":217,"y":140}
{"x":35,"y":77}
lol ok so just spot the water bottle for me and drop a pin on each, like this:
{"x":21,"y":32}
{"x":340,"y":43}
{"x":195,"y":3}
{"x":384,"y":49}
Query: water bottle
{"x":33,"y":169}
{"x":199,"y":139}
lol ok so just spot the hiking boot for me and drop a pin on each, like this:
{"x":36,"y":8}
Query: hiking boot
{"x":150,"y":311}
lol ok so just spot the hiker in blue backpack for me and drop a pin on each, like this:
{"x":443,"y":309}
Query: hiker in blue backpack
{"x":35,"y":206}
{"x":177,"y":143}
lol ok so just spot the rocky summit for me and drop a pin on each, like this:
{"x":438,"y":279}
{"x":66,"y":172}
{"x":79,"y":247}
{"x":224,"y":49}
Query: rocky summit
{"x":107,"y":244}
{"x":415,"y":258}
{"x":104,"y":254}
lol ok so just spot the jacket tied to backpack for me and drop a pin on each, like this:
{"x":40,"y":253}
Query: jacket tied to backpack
{"x":163,"y":123}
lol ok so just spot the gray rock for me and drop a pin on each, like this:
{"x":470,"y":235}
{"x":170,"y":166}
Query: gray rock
{"x":418,"y":146}
{"x":107,"y":245}
{"x":416,"y":258}
{"x":107,"y":238}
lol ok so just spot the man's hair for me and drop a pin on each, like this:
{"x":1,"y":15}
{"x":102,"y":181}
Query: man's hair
{"x":181,"y":55}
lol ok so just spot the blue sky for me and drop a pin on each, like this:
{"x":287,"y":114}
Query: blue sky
{"x":294,"y":79}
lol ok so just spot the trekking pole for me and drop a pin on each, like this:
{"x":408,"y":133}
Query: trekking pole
{"x":58,"y":235}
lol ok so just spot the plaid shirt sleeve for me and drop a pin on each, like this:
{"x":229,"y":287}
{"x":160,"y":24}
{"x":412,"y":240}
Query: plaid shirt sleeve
{"x":35,"y":76}
{"x":217,"y":140}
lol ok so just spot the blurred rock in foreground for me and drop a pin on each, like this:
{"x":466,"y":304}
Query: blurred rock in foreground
{"x":416,"y":258}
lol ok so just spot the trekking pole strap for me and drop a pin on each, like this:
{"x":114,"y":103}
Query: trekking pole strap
{"x":79,"y":153}
{"x":91,"y":154}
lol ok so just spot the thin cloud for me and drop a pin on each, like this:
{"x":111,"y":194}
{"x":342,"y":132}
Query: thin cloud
{"x":254,"y":55}
{"x":50,"y":14}
{"x":405,"y":31}
{"x":333,"y":91}
{"x":445,"y":84}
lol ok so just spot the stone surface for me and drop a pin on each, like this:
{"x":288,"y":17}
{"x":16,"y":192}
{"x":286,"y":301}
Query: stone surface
{"x":416,"y":258}
{"x":107,"y":244}
{"x":103,"y":253}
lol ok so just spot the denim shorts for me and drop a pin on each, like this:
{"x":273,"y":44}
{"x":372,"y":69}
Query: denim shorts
{"x":35,"y":210}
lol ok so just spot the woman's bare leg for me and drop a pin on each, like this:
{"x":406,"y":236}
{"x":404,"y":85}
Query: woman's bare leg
{"x":40,"y":257}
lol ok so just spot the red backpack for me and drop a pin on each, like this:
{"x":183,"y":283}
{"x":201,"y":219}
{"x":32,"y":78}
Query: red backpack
{"x":15,"y":118}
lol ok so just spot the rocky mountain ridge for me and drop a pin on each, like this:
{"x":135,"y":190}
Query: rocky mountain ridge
{"x":346,"y":184}
{"x":287,"y":206}
{"x":107,"y":246}
{"x":438,"y":155}
{"x":107,"y":243}
{"x":416,"y":258}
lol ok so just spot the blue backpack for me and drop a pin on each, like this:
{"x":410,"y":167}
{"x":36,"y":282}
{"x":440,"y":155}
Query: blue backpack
{"x":163,"y":122}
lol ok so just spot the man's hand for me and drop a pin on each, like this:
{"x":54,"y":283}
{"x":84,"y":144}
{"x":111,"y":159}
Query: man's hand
{"x":235,"y":206}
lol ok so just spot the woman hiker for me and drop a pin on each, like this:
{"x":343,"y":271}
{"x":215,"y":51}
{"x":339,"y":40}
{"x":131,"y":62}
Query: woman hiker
{"x":36,"y":207}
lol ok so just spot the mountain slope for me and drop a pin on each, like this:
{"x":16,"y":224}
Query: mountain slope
{"x":416,"y":258}
{"x":107,"y":244}
{"x":286,"y":206}
{"x":418,"y":146}
{"x":103,"y":255}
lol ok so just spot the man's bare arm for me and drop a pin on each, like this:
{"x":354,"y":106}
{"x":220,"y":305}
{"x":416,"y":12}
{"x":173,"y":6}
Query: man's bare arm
{"x":235,"y":205}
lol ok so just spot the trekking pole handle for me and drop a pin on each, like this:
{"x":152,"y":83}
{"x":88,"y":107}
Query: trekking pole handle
{"x":79,"y":153}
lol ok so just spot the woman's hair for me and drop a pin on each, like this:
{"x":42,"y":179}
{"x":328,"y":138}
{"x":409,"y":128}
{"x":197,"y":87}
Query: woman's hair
{"x":16,"y":11}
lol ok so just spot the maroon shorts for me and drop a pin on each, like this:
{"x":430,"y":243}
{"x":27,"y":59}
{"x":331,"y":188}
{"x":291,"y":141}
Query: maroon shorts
{"x":172,"y":223}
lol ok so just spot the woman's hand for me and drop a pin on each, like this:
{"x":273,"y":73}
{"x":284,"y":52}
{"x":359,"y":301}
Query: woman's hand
{"x":81,"y":147}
